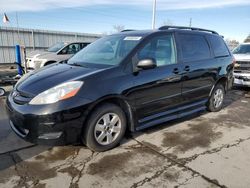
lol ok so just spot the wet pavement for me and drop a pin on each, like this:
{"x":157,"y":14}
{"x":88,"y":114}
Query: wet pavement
{"x":205,"y":150}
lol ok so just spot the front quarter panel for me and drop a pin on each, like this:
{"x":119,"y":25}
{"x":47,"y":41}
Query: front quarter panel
{"x":112,"y":81}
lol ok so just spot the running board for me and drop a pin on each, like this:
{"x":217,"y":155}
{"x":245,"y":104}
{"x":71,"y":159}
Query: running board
{"x":171,"y":114}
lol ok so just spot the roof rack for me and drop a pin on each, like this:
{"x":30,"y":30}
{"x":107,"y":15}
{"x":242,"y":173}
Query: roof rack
{"x":166,"y":27}
{"x":125,"y":30}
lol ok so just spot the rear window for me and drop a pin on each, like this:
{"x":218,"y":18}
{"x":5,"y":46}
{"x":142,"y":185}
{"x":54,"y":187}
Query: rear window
{"x":194,"y":47}
{"x":219,"y":47}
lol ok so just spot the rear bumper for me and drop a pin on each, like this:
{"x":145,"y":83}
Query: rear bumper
{"x":58,"y":128}
{"x":242,"y":79}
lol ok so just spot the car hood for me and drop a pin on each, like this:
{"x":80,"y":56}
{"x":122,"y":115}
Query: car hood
{"x":47,"y":55}
{"x":36,"y":53}
{"x":241,"y":57}
{"x":38,"y":81}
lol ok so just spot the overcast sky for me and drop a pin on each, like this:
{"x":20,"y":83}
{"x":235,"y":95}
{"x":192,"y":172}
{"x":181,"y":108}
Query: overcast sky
{"x":230,"y":18}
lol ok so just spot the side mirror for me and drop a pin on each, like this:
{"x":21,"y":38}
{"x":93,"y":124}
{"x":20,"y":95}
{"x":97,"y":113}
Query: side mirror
{"x":146,"y":64}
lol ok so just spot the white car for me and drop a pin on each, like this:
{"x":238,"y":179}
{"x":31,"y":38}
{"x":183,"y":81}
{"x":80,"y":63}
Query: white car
{"x":61,"y":51}
{"x":242,"y":65}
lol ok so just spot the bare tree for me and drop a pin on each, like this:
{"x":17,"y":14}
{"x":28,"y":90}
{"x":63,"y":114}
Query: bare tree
{"x":232,"y":43}
{"x":167,"y":22}
{"x":247,"y":39}
{"x":118,"y":28}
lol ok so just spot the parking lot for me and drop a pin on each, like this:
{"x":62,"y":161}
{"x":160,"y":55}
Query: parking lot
{"x":206,"y":150}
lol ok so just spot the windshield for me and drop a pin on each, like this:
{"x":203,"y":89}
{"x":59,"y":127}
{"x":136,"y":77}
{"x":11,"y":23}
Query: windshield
{"x":56,"y":47}
{"x":242,"y":49}
{"x":109,"y":50}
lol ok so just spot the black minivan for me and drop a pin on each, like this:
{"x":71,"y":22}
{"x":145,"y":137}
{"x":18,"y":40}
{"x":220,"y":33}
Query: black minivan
{"x":127,"y":81}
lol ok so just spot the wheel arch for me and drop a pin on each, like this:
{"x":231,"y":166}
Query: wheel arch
{"x":119,"y":101}
{"x":222,"y":80}
{"x":49,"y":62}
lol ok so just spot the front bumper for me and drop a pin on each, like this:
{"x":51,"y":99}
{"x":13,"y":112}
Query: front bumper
{"x":242,"y":79}
{"x":59,"y":127}
{"x":34,"y":64}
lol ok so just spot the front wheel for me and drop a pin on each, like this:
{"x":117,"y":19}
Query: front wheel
{"x":217,"y":97}
{"x":2,"y":92}
{"x":105,"y":128}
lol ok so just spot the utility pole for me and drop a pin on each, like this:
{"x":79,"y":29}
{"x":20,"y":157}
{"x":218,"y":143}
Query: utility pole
{"x":154,"y":12}
{"x":190,"y":22}
{"x":18,"y":30}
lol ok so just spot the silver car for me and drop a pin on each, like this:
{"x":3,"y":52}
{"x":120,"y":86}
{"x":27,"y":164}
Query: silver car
{"x":61,"y":51}
{"x":242,"y":65}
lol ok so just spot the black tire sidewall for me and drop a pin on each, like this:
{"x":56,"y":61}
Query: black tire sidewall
{"x":211,"y":106}
{"x":88,"y":132}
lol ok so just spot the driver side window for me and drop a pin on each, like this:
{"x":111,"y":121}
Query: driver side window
{"x":71,"y":49}
{"x":161,"y":49}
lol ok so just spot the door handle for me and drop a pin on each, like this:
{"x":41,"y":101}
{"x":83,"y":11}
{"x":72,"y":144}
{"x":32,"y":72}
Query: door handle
{"x":176,"y":71}
{"x":187,"y":68}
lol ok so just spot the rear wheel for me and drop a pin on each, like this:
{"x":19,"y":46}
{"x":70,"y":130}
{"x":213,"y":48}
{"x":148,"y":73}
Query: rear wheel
{"x":216,"y":100}
{"x":105,"y":128}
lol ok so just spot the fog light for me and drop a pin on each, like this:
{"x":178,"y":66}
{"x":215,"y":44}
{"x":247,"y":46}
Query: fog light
{"x":48,"y":136}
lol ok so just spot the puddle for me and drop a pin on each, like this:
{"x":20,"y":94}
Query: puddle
{"x":203,"y":132}
{"x":71,"y":170}
{"x":59,"y":153}
{"x":171,"y":175}
{"x":198,"y":135}
{"x":127,"y":164}
{"x":32,"y":172}
{"x":150,"y":145}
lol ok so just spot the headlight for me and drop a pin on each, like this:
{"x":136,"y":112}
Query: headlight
{"x":39,"y":62}
{"x":60,"y":92}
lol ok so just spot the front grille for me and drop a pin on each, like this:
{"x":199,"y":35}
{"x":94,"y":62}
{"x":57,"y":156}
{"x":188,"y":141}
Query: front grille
{"x":242,"y":66}
{"x":21,"y":98}
{"x":243,"y":62}
{"x":244,"y":78}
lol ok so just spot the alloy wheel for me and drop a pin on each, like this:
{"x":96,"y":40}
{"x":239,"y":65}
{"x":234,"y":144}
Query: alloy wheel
{"x":218,"y":98}
{"x":107,"y":129}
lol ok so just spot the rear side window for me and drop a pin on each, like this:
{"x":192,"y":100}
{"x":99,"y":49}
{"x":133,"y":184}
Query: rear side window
{"x":194,"y":47}
{"x":219,"y":47}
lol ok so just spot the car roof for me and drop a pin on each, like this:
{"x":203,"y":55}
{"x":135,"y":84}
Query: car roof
{"x":167,"y":29}
{"x":75,"y":42}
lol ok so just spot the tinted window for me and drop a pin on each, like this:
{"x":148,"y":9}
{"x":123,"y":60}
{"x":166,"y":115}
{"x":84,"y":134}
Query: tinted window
{"x":219,"y":46}
{"x":161,"y":49}
{"x":71,"y":49}
{"x":194,"y":47}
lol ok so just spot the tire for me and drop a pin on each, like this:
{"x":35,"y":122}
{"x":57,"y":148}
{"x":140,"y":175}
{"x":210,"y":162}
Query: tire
{"x":100,"y":134}
{"x":216,"y":99}
{"x":2,"y":92}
